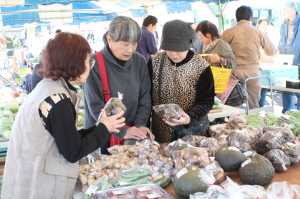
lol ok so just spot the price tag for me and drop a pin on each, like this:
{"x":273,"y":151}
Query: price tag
{"x":144,"y":189}
{"x":233,"y":148}
{"x":123,"y":183}
{"x":119,"y":192}
{"x":155,"y":195}
{"x":246,"y":162}
{"x":181,"y":172}
{"x":95,"y":172}
{"x":91,"y":189}
{"x":248,"y":153}
{"x":211,"y":158}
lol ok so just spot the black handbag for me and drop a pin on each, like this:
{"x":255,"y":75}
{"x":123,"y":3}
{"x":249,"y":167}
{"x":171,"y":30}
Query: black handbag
{"x":196,"y":128}
{"x":238,"y":95}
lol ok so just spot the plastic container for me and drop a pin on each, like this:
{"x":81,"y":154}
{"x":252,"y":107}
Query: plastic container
{"x":144,"y":191}
{"x":288,"y":72}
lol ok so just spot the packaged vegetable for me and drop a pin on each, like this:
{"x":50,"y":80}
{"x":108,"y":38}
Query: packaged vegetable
{"x":168,"y":111}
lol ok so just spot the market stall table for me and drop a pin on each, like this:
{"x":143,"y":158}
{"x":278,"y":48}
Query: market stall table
{"x":227,"y":111}
{"x":282,"y":89}
{"x":291,"y":177}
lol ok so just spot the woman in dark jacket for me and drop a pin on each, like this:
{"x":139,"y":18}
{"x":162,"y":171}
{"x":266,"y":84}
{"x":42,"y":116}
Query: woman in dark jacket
{"x":180,"y":77}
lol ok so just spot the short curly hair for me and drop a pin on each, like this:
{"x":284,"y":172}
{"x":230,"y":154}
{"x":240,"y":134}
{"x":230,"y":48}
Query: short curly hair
{"x":64,"y":56}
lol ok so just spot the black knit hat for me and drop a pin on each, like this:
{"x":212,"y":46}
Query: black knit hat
{"x":177,"y":36}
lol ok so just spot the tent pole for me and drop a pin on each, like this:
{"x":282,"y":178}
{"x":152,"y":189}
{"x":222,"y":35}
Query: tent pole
{"x":220,"y":15}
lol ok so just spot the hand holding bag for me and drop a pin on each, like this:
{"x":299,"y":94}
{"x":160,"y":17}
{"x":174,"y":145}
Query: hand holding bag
{"x":106,"y":93}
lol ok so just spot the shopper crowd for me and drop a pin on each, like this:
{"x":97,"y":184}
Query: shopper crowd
{"x":45,"y":146}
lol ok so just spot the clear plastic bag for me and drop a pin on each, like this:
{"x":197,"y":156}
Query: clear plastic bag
{"x":114,"y":105}
{"x":279,"y":160}
{"x":280,"y":190}
{"x":239,"y":140}
{"x":292,"y":151}
{"x":236,"y":122}
{"x":168,"y":111}
{"x":190,"y":156}
{"x":269,"y":140}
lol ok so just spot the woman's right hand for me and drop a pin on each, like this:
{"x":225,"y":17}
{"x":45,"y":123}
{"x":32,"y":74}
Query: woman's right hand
{"x":113,"y":123}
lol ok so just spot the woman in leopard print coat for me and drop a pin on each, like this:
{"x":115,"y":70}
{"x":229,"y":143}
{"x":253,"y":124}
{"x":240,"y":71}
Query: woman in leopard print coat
{"x":179,"y":77}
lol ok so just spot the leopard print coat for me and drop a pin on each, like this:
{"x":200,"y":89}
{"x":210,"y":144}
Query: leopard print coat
{"x":178,"y":86}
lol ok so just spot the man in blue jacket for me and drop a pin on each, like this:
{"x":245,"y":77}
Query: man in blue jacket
{"x":290,"y":44}
{"x":146,"y":45}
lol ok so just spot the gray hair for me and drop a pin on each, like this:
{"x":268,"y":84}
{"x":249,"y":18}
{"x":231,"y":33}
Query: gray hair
{"x":123,"y":28}
{"x":291,"y":4}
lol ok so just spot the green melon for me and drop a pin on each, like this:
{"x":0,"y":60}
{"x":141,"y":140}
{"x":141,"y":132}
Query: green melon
{"x":259,"y":171}
{"x":230,"y":158}
{"x":189,"y":182}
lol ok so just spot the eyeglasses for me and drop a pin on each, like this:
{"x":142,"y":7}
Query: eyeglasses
{"x":91,"y":62}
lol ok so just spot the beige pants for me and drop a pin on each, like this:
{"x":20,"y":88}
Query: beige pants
{"x":253,"y":86}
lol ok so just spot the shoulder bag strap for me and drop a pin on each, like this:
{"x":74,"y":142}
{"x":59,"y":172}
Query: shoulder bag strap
{"x":103,"y":76}
{"x":160,"y":75}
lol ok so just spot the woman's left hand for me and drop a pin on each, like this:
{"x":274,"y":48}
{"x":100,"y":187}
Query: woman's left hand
{"x":184,"y":120}
{"x":215,"y":58}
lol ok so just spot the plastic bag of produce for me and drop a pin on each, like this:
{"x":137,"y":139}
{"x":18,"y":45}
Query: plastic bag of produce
{"x":279,"y":160}
{"x":239,"y":139}
{"x":269,"y":140}
{"x":190,"y":156}
{"x":253,"y":191}
{"x":175,"y":146}
{"x":286,"y":132}
{"x":236,"y":122}
{"x":213,"y":192}
{"x":168,"y":111}
{"x":280,"y":190}
{"x":115,"y":105}
{"x":292,"y":151}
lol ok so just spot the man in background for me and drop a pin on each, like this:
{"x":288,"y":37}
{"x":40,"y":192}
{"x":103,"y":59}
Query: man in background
{"x":245,"y":41}
{"x":290,"y":44}
{"x":146,"y":46}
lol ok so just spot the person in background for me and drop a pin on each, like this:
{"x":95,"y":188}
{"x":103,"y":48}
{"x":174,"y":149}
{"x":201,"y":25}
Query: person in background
{"x":45,"y":145}
{"x":197,"y":44}
{"x":290,"y":44}
{"x":185,"y":79}
{"x":58,"y":31}
{"x":222,"y":54}
{"x":245,"y":41}
{"x":146,"y":45}
{"x":127,"y":73}
{"x":263,"y":24}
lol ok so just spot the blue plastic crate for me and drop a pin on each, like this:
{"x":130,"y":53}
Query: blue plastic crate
{"x":289,"y":72}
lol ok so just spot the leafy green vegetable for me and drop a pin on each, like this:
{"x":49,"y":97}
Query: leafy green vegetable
{"x":80,"y":120}
{"x":12,"y":106}
{"x":262,"y":118}
{"x":290,"y":120}
{"x":7,"y":134}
